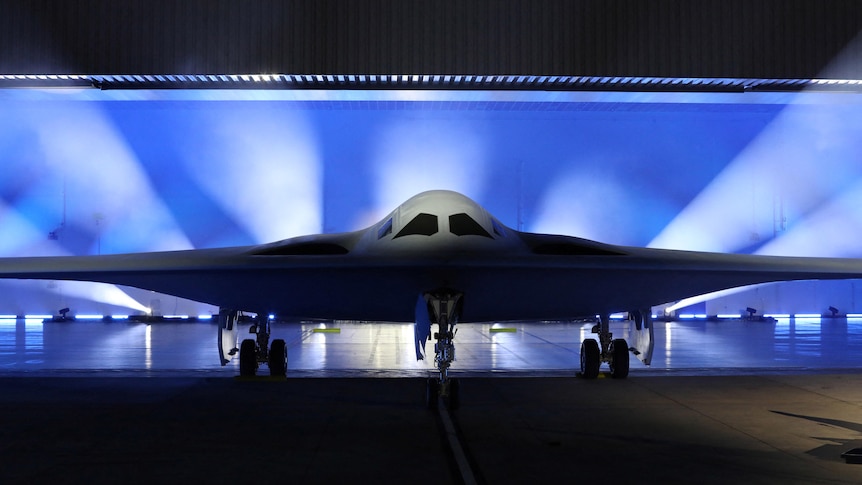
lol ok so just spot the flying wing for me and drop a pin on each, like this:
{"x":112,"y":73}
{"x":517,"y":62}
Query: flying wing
{"x":443,"y":247}
{"x":514,"y":276}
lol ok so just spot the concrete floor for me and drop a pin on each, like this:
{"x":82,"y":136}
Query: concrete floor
{"x":724,"y":402}
{"x":387,"y":350}
{"x":714,"y":429}
{"x":717,"y":429}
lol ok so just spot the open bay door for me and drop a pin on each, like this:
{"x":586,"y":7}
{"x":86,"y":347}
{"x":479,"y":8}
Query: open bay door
{"x":421,"y":326}
{"x":228,"y":321}
{"x":638,"y":332}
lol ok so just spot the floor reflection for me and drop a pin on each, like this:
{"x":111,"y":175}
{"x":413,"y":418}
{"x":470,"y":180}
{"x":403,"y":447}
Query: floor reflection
{"x":387,"y":349}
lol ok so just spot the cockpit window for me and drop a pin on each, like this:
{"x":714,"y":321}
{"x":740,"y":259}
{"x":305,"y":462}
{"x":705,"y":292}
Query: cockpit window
{"x":464,"y":225}
{"x":423,"y":224}
{"x":385,"y":229}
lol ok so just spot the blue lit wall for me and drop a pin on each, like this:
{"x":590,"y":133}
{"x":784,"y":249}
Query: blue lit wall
{"x":87,"y":172}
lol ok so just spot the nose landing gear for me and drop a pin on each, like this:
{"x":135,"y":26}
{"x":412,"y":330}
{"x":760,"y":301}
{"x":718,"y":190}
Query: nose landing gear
{"x":444,"y":309}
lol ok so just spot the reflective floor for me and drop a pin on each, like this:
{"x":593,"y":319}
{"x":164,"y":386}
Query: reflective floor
{"x":366,"y":349}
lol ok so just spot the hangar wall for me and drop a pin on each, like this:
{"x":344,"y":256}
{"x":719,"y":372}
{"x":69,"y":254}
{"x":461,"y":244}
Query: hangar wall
{"x":791,"y":298}
{"x":668,"y":38}
{"x":95,"y":172}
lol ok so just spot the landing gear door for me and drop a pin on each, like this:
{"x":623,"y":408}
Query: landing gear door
{"x":421,"y":327}
{"x":639,"y":334}
{"x":228,"y":321}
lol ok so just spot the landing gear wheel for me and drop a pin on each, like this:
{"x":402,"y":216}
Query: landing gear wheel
{"x":247,"y":358}
{"x":619,"y":359}
{"x":590,"y":359}
{"x":432,"y":391}
{"x":277,"y":358}
{"x":454,"y":394}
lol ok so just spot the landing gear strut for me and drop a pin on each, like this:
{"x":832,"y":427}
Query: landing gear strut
{"x":444,"y":309}
{"x":615,"y":352}
{"x":253,"y":352}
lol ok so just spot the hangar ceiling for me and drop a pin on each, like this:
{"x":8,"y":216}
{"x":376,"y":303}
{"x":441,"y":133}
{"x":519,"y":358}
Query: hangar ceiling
{"x":721,"y":45}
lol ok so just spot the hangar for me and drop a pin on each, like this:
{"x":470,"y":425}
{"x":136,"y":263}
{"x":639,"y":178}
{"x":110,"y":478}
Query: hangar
{"x":726,"y":126}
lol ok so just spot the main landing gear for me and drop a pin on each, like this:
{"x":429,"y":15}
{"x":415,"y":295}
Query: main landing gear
{"x":253,"y":352}
{"x":444,"y":309}
{"x":613,"y":351}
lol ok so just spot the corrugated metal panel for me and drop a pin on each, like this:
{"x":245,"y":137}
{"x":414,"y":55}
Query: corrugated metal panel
{"x":708,"y":38}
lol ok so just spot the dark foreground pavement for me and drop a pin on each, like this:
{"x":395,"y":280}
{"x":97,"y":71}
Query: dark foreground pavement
{"x":717,"y":429}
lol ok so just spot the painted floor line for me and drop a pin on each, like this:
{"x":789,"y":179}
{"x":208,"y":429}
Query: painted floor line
{"x":455,"y":445}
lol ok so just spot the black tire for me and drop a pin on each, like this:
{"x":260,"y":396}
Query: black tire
{"x":590,"y":359}
{"x":454,"y":394}
{"x":248,"y":358}
{"x":432,"y":391}
{"x":619,"y":359}
{"x":278,"y":358}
